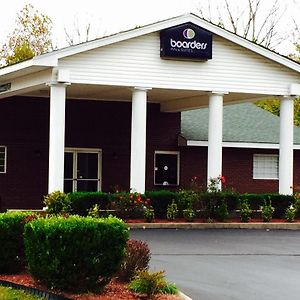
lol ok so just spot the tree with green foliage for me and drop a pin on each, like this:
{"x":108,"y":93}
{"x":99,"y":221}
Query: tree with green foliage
{"x":273,"y":105}
{"x":31,"y":36}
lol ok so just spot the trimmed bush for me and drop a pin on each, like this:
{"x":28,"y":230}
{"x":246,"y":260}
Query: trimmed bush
{"x":160,"y":200}
{"x":82,"y":202}
{"x":12,"y":258}
{"x":280,"y":203}
{"x":209,"y":203}
{"x":136,"y":259}
{"x":57,"y":202}
{"x":75,"y":253}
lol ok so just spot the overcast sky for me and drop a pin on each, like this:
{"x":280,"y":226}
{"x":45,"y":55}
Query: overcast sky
{"x":113,"y":16}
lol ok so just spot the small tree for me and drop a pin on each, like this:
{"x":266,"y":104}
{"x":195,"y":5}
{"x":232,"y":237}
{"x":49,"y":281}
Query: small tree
{"x":31,"y":36}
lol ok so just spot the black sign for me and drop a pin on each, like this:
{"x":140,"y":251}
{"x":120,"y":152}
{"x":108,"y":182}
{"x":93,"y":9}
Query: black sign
{"x":186,"y":41}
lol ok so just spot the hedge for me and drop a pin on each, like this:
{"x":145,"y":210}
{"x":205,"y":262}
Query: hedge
{"x":160,"y":200}
{"x":81,"y":202}
{"x":12,"y":258}
{"x":75,"y":253}
{"x":279,"y":202}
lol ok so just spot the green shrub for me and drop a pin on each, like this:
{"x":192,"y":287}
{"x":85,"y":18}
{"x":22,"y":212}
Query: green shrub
{"x":57,"y":203}
{"x":280,"y":203}
{"x":172,"y":211}
{"x":209,"y":203}
{"x":187,"y":199}
{"x":150,"y":284}
{"x":245,"y":211}
{"x":290,"y":213}
{"x":137,"y":258}
{"x":75,"y":253}
{"x":222,"y":211}
{"x":82,"y":202}
{"x":12,"y":258}
{"x":189,"y":214}
{"x":129,"y":205}
{"x":160,"y":201}
{"x":267,"y":211}
{"x":149,"y":214}
{"x":255,"y":201}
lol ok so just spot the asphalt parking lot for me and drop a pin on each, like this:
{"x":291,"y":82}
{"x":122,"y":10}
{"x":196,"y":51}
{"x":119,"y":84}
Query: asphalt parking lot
{"x":228,"y":264}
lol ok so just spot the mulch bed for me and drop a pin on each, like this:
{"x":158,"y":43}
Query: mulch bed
{"x":114,"y":290}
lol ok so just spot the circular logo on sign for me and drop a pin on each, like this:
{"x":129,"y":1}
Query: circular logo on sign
{"x":189,"y":33}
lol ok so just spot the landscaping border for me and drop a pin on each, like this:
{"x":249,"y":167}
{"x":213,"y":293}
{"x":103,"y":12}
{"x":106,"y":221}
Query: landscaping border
{"x":36,"y":292}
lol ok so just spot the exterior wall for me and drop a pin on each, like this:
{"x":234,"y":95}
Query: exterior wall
{"x":24,"y":124}
{"x":137,"y":62}
{"x":24,"y":130}
{"x":24,"y":127}
{"x":237,"y":169}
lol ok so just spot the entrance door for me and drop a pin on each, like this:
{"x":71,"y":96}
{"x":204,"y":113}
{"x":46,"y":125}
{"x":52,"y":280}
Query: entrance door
{"x":82,"y":170}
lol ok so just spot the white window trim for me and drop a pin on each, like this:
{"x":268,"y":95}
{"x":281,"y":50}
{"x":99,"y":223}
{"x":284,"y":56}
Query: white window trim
{"x":265,"y":155}
{"x":86,"y":150}
{"x":5,"y":159}
{"x":178,"y":166}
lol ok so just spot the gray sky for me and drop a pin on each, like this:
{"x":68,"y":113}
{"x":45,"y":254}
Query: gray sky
{"x":116,"y":15}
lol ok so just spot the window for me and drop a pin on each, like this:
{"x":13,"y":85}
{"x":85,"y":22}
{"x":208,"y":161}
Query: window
{"x":166,"y":168}
{"x":265,"y":166}
{"x":2,"y":159}
{"x":82,"y":170}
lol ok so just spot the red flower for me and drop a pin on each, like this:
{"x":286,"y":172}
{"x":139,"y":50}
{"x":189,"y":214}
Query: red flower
{"x":222,"y":179}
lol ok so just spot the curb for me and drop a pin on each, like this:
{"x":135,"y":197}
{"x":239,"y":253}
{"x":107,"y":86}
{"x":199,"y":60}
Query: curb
{"x":265,"y":226}
{"x":184,"y":297}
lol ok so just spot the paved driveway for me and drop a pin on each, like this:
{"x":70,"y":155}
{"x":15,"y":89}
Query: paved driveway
{"x":228,"y":264}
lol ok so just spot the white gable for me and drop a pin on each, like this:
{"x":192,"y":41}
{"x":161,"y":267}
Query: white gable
{"x":137,"y":62}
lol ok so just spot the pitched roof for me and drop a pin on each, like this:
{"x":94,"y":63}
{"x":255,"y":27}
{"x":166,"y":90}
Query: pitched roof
{"x":51,"y":59}
{"x":242,"y":123}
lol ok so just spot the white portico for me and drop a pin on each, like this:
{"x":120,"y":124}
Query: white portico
{"x":128,"y":67}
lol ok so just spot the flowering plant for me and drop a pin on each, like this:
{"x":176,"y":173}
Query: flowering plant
{"x":214,"y":184}
{"x":129,"y":204}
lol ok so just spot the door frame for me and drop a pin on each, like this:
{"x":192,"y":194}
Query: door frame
{"x":75,"y":151}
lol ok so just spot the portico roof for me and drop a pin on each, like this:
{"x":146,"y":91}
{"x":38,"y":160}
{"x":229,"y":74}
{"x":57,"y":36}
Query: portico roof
{"x":105,"y":69}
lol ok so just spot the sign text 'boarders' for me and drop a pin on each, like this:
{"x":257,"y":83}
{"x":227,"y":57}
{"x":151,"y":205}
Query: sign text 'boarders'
{"x":186,"y":41}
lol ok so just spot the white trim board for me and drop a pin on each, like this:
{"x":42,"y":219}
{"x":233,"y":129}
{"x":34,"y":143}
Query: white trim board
{"x":239,"y":145}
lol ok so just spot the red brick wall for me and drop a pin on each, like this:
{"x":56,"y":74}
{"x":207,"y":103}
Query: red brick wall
{"x":238,"y":171}
{"x":24,"y":127}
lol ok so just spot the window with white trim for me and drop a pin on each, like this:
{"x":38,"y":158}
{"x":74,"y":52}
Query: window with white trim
{"x":2,"y":159}
{"x":265,"y":166}
{"x":166,"y":168}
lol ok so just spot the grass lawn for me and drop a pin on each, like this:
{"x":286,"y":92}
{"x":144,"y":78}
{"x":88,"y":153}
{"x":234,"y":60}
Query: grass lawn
{"x":7,"y":293}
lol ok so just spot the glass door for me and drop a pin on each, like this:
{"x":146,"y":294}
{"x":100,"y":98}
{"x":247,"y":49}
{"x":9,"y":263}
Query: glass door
{"x":82,"y":171}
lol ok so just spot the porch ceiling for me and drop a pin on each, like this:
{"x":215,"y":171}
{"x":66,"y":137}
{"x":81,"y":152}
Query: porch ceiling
{"x":171,"y":100}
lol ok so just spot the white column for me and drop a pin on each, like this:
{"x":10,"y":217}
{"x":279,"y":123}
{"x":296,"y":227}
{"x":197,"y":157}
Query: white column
{"x":286,"y":146}
{"x":138,"y":140}
{"x":57,"y":137}
{"x":215,"y":135}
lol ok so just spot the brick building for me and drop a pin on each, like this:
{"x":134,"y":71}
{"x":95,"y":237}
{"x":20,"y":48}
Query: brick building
{"x":108,"y":112}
